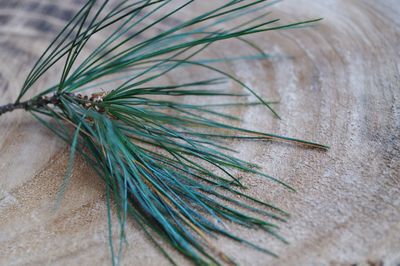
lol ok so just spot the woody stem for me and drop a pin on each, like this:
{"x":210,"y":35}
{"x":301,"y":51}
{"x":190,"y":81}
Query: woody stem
{"x":42,"y":101}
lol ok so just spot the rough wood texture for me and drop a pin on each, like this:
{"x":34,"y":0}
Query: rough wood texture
{"x":341,"y":87}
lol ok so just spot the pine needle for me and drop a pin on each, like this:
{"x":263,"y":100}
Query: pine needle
{"x":166,"y":164}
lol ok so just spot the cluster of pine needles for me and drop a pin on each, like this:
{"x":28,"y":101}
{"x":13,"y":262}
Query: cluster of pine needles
{"x":166,"y":164}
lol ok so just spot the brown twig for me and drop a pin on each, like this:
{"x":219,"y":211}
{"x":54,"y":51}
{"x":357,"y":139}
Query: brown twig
{"x":41,"y":101}
{"x":86,"y":101}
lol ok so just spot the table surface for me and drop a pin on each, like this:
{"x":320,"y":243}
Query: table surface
{"x":339,"y":86}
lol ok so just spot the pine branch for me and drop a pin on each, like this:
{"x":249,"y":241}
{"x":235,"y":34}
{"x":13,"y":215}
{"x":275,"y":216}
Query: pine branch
{"x":166,"y":164}
{"x":12,"y":106}
{"x":30,"y":104}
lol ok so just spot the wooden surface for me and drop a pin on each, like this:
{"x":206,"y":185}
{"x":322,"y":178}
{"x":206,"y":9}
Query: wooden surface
{"x":340,"y":86}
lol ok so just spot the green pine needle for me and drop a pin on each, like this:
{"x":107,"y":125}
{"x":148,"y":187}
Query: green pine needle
{"x":166,"y":164}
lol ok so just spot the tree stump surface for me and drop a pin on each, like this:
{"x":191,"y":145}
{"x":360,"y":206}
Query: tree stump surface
{"x":340,"y":85}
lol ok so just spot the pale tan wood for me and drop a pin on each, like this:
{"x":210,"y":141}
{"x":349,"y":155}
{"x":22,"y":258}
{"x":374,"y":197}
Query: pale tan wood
{"x":341,"y":87}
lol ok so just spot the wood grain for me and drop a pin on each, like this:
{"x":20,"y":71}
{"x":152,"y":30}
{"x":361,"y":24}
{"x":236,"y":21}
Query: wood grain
{"x":340,"y":86}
